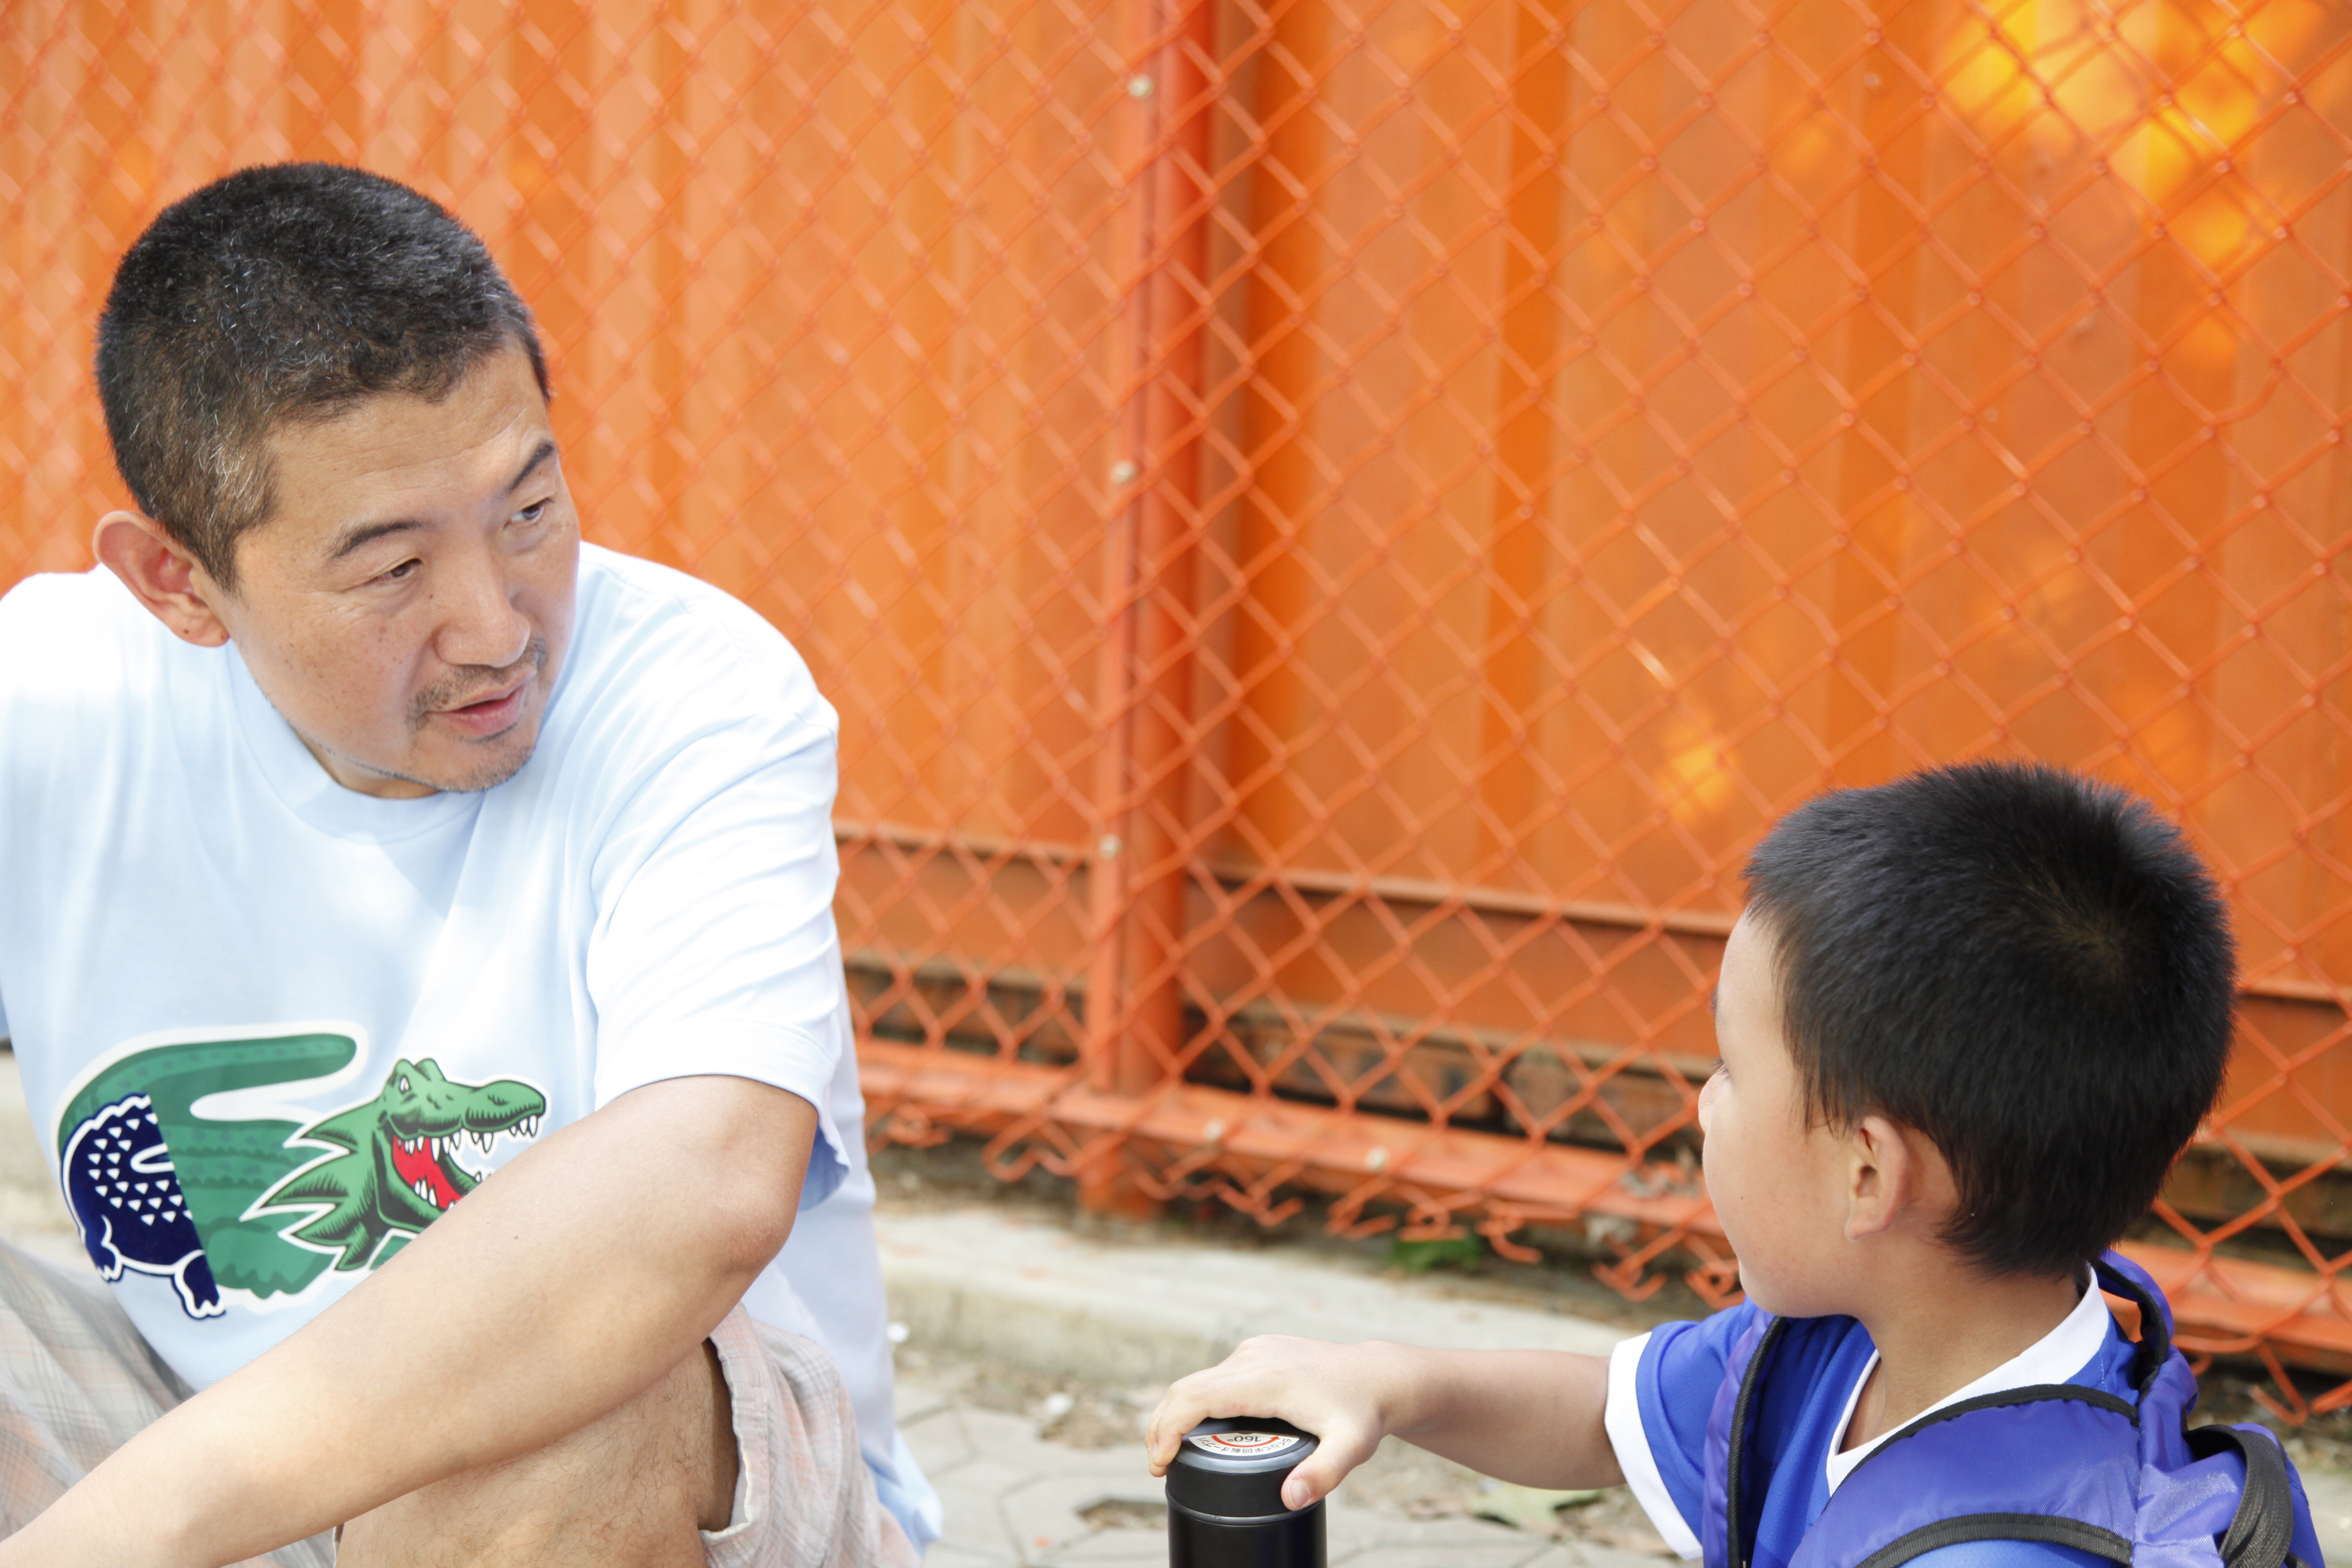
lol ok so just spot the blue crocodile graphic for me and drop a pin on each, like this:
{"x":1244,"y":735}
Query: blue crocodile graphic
{"x":127,"y":1202}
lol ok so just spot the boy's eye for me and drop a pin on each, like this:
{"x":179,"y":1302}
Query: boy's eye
{"x":532,"y":513}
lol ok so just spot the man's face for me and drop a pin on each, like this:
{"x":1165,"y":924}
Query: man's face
{"x":408,"y":603}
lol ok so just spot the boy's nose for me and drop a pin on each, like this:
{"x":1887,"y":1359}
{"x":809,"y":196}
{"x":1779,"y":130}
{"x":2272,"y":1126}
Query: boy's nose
{"x":1707,"y":1100}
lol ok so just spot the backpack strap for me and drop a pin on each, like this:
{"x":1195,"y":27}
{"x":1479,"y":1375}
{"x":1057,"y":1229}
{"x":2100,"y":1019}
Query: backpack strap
{"x":2155,"y":1322}
{"x":2261,"y":1530}
{"x":1982,"y":1469}
{"x":1969,"y":1527}
{"x":2031,"y":1394}
{"x":1743,"y":1410}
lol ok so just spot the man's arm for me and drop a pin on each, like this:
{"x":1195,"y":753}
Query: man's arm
{"x":1530,"y":1416}
{"x":583,"y":1270}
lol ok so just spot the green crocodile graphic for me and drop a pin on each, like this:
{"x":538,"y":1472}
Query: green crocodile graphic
{"x":221,"y":1164}
{"x":398,"y":1168}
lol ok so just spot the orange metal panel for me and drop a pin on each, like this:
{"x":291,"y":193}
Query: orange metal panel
{"x":1331,"y":528}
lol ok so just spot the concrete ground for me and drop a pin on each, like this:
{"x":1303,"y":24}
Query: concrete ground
{"x":1033,"y":1353}
{"x":1033,"y":1344}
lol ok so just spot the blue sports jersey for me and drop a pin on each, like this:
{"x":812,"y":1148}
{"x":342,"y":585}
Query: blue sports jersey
{"x":1799,"y":1412}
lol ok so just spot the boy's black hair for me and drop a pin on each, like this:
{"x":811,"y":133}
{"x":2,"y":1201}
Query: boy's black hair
{"x":2030,"y":967}
{"x":287,"y":292}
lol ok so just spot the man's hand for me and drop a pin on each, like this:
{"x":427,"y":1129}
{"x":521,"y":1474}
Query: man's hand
{"x":583,"y":1271}
{"x":1530,"y":1416}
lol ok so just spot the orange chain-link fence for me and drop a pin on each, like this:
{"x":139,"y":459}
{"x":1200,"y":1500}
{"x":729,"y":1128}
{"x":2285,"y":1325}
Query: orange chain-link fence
{"x":1333,"y":524}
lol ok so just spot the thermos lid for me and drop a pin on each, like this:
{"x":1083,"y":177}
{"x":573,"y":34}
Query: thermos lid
{"x":1234,"y":1466}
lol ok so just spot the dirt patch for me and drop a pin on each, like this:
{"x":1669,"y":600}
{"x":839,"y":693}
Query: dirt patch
{"x":1116,"y":1514}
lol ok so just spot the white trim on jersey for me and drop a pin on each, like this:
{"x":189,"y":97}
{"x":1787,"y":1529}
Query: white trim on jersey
{"x":1623,"y":1418}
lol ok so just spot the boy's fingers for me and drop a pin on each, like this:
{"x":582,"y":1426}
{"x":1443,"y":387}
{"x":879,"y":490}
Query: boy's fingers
{"x":1181,"y":1409}
{"x":1307,"y":1483}
{"x":1192,"y":1400}
{"x":1324,"y":1470}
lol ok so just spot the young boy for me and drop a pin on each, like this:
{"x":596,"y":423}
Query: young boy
{"x":1966,"y":1022}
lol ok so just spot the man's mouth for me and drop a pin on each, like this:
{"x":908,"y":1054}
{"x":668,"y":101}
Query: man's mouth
{"x":493,"y":713}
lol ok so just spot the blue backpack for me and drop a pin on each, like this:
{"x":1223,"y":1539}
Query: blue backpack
{"x":2122,"y":1479}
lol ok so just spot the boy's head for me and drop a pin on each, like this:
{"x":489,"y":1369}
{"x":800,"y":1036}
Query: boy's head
{"x":2029,"y":969}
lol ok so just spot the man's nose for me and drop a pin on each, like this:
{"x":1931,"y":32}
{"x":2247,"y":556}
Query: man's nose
{"x":479,"y":623}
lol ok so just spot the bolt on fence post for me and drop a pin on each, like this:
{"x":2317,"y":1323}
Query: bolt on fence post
{"x":1141,"y":865}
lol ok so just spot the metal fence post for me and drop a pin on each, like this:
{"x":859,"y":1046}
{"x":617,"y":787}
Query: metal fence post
{"x":1142,"y":857}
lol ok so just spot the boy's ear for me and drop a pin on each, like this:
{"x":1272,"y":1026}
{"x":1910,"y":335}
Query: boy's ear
{"x":1882,"y":1177}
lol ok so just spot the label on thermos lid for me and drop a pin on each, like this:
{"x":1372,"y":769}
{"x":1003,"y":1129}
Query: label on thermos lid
{"x":1244,"y":1445}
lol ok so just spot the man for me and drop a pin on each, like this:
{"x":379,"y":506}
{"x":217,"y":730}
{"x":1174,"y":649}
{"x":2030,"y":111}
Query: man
{"x":367,"y":844}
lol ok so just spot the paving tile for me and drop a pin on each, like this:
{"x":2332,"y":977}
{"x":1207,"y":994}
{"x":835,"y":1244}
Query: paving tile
{"x":1112,"y":1549}
{"x":941,"y":1442}
{"x":991,"y":1429}
{"x":974,"y":1520}
{"x":973,"y":1526}
{"x":942,"y":1555}
{"x":1045,"y":1514}
{"x":1352,"y":1528}
{"x":1447,"y":1554}
{"x":912,"y":1402}
{"x":1591,"y":1554}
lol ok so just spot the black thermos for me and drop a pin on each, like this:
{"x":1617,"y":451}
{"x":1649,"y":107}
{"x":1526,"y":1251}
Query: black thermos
{"x":1224,"y":1498}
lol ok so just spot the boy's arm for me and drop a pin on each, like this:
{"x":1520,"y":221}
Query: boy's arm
{"x":1530,"y":1416}
{"x":564,"y":1286}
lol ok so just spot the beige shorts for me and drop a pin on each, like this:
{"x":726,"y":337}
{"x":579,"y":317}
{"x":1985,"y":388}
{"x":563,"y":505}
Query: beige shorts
{"x":796,"y":1446}
{"x":77,"y":1380}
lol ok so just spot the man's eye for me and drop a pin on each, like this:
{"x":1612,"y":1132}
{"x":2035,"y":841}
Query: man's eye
{"x":401,"y":572}
{"x":532,"y":513}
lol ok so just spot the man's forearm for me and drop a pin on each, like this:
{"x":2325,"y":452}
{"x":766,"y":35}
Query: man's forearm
{"x":555,"y":1292}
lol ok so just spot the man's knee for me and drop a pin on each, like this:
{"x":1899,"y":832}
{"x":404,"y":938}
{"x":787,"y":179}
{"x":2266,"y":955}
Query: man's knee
{"x":630,"y":1491}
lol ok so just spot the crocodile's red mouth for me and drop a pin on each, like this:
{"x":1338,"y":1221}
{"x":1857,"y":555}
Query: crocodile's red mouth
{"x":418,"y":1162}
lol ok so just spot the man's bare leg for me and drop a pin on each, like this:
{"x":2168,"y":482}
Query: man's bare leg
{"x":628,"y":1491}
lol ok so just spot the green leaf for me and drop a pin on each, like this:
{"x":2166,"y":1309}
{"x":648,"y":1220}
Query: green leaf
{"x":1446,"y":1252}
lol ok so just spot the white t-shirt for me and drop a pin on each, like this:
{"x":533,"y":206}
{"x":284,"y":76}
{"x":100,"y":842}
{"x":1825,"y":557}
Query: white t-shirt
{"x":271,"y":1026}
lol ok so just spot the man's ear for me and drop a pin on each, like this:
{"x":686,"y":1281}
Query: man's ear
{"x":1882,"y":1177}
{"x":163,"y":575}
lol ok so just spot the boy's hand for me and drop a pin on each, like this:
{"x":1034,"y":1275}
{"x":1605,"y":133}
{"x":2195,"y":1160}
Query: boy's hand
{"x":1350,"y":1397}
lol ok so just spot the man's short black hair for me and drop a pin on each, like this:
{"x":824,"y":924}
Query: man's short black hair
{"x":2030,"y":967}
{"x":290,"y":292}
